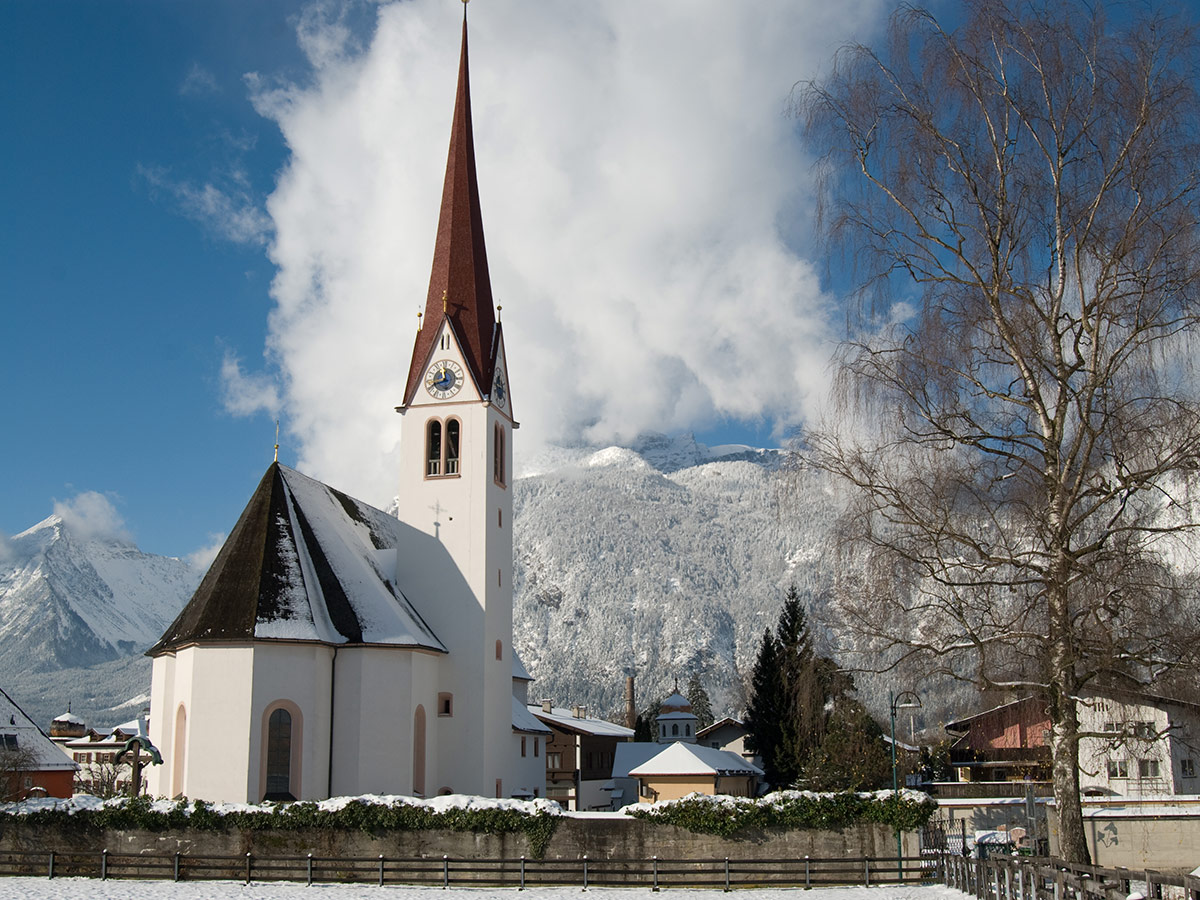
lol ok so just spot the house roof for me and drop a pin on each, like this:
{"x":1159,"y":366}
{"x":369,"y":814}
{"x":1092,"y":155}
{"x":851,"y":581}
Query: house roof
{"x":726,"y":722}
{"x":304,"y":562}
{"x":965,"y":722}
{"x":519,"y":672}
{"x":526,"y":722}
{"x":693,"y":759}
{"x":632,"y":754}
{"x":566,"y":720}
{"x":45,"y":755}
{"x":460,"y":288}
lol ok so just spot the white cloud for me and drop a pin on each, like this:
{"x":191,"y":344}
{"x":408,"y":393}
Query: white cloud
{"x":230,"y":211}
{"x":245,"y":394}
{"x":198,"y":81}
{"x":202,"y":558}
{"x":91,"y":516}
{"x":637,"y":172}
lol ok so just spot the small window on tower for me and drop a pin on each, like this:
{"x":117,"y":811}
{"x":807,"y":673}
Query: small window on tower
{"x":445,"y":705}
{"x":452,"y":429}
{"x":498,"y":460}
{"x":433,"y":448}
{"x":499,"y":650}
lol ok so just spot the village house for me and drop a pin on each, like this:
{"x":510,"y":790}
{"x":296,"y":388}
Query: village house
{"x":579,"y":755}
{"x":30,"y":763}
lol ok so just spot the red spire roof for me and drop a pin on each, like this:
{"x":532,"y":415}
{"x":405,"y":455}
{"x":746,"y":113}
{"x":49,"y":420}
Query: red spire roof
{"x":460,"y":271}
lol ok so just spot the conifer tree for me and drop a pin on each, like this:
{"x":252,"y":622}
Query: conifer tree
{"x":701,"y":704}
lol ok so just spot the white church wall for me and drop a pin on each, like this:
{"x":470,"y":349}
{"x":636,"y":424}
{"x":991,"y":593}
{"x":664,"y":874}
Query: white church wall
{"x":374,"y":752}
{"x":527,"y":771}
{"x":211,"y":683}
{"x":296,"y":676}
{"x":162,"y":725}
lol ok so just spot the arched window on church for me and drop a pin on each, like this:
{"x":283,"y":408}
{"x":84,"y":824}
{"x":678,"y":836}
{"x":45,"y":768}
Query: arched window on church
{"x":452,"y":430}
{"x":687,"y":730}
{"x":178,"y":751}
{"x":498,"y":460}
{"x":674,"y":731}
{"x":433,"y":448}
{"x":419,"y":751}
{"x":279,"y":756}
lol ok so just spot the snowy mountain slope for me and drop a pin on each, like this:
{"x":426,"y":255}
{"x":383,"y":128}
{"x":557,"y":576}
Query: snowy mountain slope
{"x":658,"y":561}
{"x":67,"y":601}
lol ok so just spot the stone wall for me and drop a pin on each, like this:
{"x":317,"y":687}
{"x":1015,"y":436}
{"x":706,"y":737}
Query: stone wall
{"x":615,"y":837}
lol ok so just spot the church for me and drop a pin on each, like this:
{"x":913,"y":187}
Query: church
{"x":332,"y":649}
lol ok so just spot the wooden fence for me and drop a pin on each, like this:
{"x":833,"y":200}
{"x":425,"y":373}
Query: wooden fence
{"x":655,"y":873}
{"x":1029,"y":878}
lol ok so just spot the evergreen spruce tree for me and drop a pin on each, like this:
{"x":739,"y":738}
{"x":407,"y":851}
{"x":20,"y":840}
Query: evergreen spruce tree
{"x":698,"y":697}
{"x":765,"y":711}
{"x":803,"y":719}
{"x":642,"y":732}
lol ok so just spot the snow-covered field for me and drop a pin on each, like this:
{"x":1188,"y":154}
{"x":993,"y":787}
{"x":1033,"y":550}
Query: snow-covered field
{"x":92,"y":889}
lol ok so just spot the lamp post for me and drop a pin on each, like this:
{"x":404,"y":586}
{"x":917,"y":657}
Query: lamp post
{"x":903,"y":700}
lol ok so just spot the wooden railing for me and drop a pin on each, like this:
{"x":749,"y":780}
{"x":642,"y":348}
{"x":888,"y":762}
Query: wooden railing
{"x":655,"y":873}
{"x":1029,"y":878}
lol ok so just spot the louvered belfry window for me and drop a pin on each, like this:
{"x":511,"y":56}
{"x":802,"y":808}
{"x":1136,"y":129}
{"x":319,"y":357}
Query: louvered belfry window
{"x":433,"y":448}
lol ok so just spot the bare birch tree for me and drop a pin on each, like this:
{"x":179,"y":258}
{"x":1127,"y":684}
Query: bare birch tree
{"x":1017,"y":411}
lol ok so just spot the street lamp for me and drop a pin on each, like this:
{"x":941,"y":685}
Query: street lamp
{"x":903,"y":700}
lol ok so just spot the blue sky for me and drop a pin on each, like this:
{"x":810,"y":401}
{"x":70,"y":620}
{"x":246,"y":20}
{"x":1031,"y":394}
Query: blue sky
{"x":218,"y":212}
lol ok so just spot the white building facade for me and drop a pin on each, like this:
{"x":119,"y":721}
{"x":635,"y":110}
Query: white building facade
{"x":334,"y":650}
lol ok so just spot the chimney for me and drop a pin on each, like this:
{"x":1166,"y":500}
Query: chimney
{"x":579,"y":711}
{"x":630,"y":706}
{"x":547,"y":705}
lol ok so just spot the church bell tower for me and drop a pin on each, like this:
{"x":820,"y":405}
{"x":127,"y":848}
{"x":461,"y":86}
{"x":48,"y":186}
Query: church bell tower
{"x":455,"y":481}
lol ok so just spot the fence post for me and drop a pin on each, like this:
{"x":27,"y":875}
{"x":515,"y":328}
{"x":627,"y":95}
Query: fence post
{"x":445,"y":872}
{"x":522,"y":887}
{"x":585,"y":871}
{"x":175,"y":871}
{"x":727,"y":874}
{"x":807,"y":875}
{"x":50,"y":871}
{"x":310,"y":870}
{"x":381,"y":870}
{"x":655,"y":888}
{"x":866,"y":871}
{"x":247,"y":867}
{"x":104,"y":865}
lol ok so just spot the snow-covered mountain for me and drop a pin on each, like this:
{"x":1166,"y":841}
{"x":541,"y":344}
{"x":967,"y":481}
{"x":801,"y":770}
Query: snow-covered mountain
{"x":658,"y":561}
{"x":71,"y":600}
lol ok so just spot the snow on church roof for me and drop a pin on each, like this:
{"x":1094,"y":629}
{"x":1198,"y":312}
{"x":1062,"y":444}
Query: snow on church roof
{"x":302,"y":563}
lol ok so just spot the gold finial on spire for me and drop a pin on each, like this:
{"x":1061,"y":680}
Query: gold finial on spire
{"x":419,"y":315}
{"x":444,"y":296}
{"x":276,"y":440}
{"x":498,"y":306}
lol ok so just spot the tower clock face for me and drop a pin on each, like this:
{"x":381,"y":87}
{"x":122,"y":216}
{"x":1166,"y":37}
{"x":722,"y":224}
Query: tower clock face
{"x":444,"y":379}
{"x":499,"y":389}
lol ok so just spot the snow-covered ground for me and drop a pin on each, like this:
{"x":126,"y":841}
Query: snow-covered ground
{"x":92,"y":889}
